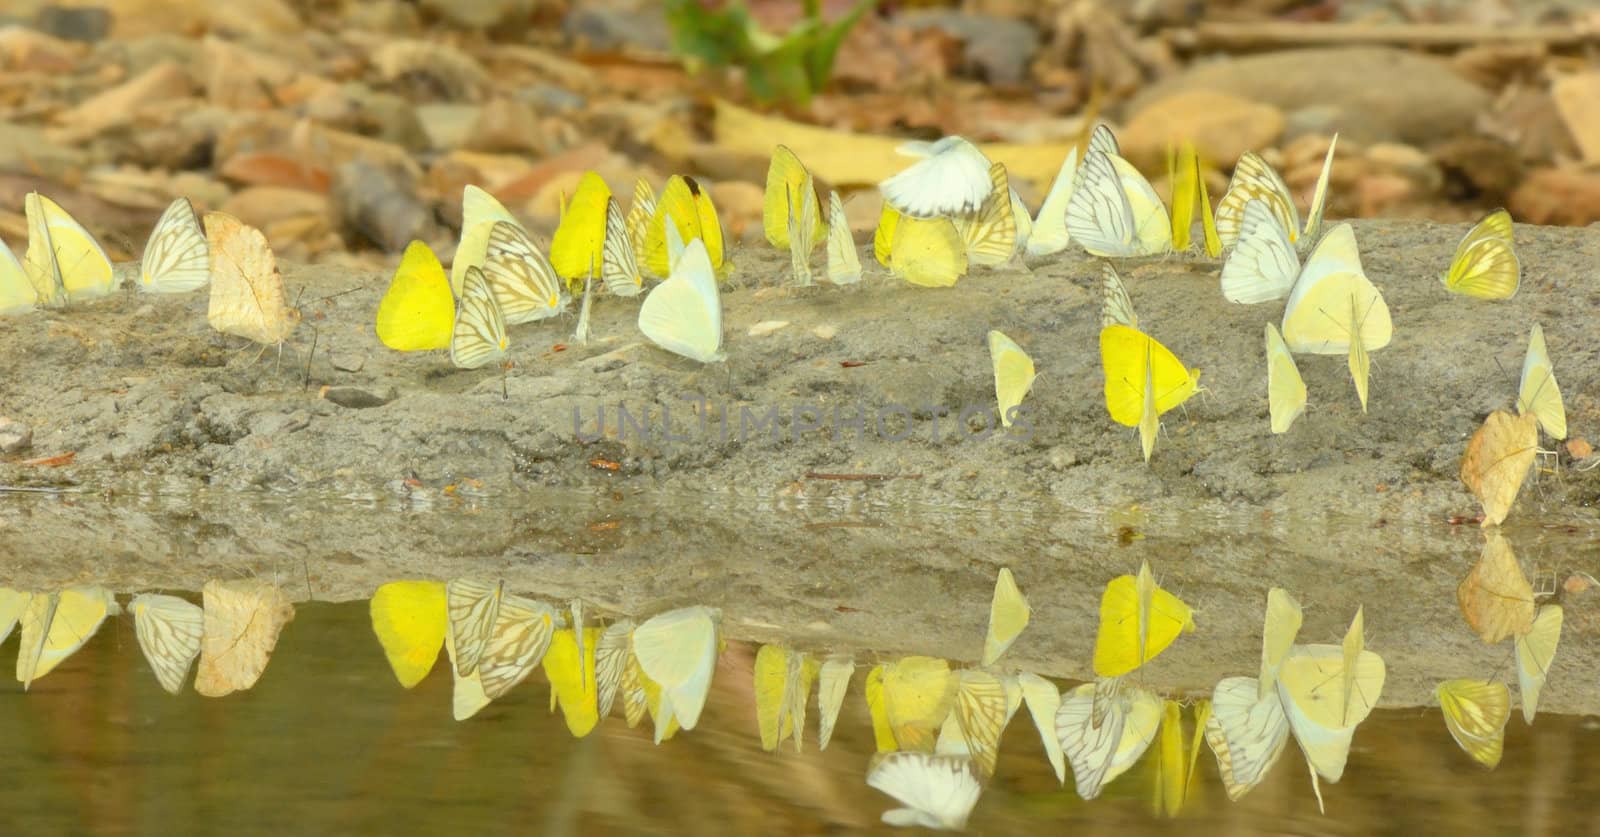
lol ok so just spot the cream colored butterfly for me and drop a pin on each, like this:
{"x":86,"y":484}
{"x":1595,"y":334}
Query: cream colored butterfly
{"x":1114,"y":212}
{"x":479,"y":334}
{"x":1008,"y":616}
{"x":619,"y":265}
{"x":479,"y":213}
{"x":473,"y":607}
{"x":1013,"y":376}
{"x":1476,"y":712}
{"x":638,"y":218}
{"x":466,"y":696}
{"x":1286,"y":390}
{"x":611,"y":655}
{"x":1335,"y":309}
{"x":950,"y":180}
{"x":844,"y":261}
{"x":1116,"y":307}
{"x":938,"y":792}
{"x":1099,"y":753}
{"x":1044,"y":701}
{"x":802,"y":224}
{"x":243,"y":619}
{"x":1263,"y":264}
{"x":169,"y":631}
{"x":516,"y":643}
{"x":1327,"y":690}
{"x":246,"y":297}
{"x":1255,"y":179}
{"x":63,"y":261}
{"x":524,"y":284}
{"x":990,"y":233}
{"x":684,"y":314}
{"x":1247,"y":729}
{"x":56,"y":625}
{"x":979,"y":718}
{"x":833,"y":683}
{"x":17,"y":294}
{"x":1485,"y":265}
{"x":1538,"y":393}
{"x":176,"y":258}
{"x":1536,"y":650}
{"x":678,"y":651}
{"x":13,"y":603}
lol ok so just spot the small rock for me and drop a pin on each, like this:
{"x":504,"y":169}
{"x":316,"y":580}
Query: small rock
{"x":1566,"y":197}
{"x":14,"y":435}
{"x":448,"y":125}
{"x":826,"y":331}
{"x":87,"y":24}
{"x":431,"y":71}
{"x":1478,"y":168}
{"x":25,"y":50}
{"x":1380,"y":93}
{"x":260,"y":206}
{"x":999,"y":49}
{"x":506,"y":125}
{"x":1222,"y":127}
{"x":607,"y":29}
{"x":1579,"y":448}
{"x":357,"y":398}
{"x":1577,"y":98}
{"x":766,"y":327}
{"x":378,"y":204}
{"x":479,"y":14}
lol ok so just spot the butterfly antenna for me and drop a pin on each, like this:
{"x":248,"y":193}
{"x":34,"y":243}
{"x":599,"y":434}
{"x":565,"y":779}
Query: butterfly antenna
{"x":305,"y":383}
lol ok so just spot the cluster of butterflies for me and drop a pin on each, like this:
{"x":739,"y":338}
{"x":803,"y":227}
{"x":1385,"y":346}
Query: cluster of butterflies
{"x":961,"y":211}
{"x":500,"y":277}
{"x":64,"y":264}
{"x":232,"y":633}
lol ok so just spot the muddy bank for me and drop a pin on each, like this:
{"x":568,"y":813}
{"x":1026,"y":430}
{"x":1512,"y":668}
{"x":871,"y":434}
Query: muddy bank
{"x":197,"y":457}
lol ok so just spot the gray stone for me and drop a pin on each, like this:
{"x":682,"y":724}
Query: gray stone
{"x":999,"y":49}
{"x":74,"y":23}
{"x":14,"y":436}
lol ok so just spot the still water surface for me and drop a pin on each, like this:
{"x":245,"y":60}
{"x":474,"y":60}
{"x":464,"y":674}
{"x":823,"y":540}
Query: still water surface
{"x":328,"y":743}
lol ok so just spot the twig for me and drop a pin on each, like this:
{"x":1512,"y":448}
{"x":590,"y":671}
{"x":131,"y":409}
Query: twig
{"x":31,"y":489}
{"x":1267,"y":34}
{"x":814,"y":475}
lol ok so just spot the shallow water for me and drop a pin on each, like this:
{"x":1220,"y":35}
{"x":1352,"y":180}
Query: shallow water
{"x":328,"y":742}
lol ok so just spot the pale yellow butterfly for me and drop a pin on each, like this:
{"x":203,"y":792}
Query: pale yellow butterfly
{"x":1044,"y":700}
{"x":169,"y":631}
{"x":56,"y":625}
{"x":1485,"y":265}
{"x":479,"y":333}
{"x":833,"y":683}
{"x":1335,"y":309}
{"x":1538,"y":393}
{"x":64,"y":261}
{"x":1536,"y":650}
{"x":1476,"y":712}
{"x":1008,"y":616}
{"x":684,"y":314}
{"x":844,"y":262}
{"x":1013,"y":376}
{"x":17,"y":294}
{"x":177,"y":257}
{"x":479,"y":213}
{"x":524,"y":284}
{"x":1286,"y":390}
{"x":678,"y":651}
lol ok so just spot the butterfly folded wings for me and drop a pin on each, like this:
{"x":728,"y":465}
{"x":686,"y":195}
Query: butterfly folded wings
{"x":247,"y":298}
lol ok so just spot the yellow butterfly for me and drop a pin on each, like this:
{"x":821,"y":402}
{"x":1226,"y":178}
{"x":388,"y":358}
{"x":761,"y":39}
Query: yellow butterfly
{"x":1286,"y":390}
{"x":1101,"y":750}
{"x":524,"y":284}
{"x":63,"y":260}
{"x":1143,"y":380}
{"x":579,"y":241}
{"x":478,"y":335}
{"x":1485,"y":265}
{"x":882,"y":733}
{"x":417,"y":312}
{"x":242,"y":622}
{"x":1044,"y":700}
{"x":56,"y":625}
{"x":1174,"y":768}
{"x":1013,"y":376}
{"x":677,"y":650}
{"x":17,"y":294}
{"x":833,"y":683}
{"x":978,"y":718}
{"x":1263,"y":264}
{"x":1497,"y":461}
{"x":1008,"y":616}
{"x":1326,"y":691}
{"x":1116,"y":307}
{"x":927,"y":252}
{"x":1255,"y":179}
{"x":1334,"y":309}
{"x":177,"y":257}
{"x":684,"y":314}
{"x":917,"y":694}
{"x":1138,"y":620}
{"x":990,"y":234}
{"x":1536,"y":650}
{"x":783,"y":679}
{"x":844,"y":263}
{"x":640,"y":213}
{"x":13,"y":603}
{"x":246,"y":289}
{"x":619,"y":268}
{"x":883,"y":235}
{"x":479,"y":213}
{"x":1114,"y":212}
{"x":1495,"y":598}
{"x":516,"y":643}
{"x":1476,"y":712}
{"x":687,"y":206}
{"x":1188,"y":191}
{"x":1278,"y":633}
{"x":1538,"y":393}
{"x":169,"y":631}
{"x":788,"y":182}
{"x":410,"y":619}
{"x":571,"y":669}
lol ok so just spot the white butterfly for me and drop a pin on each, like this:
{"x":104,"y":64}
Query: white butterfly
{"x":938,"y":792}
{"x":619,"y":267}
{"x":833,"y":683}
{"x":844,"y":262}
{"x":678,"y":651}
{"x":1263,"y":264}
{"x":684,"y":314}
{"x":1049,"y":229}
{"x":1116,"y":213}
{"x":951,"y":179}
{"x":524,"y":283}
{"x":169,"y":631}
{"x":1255,"y":179}
{"x":479,"y":334}
{"x":177,"y":257}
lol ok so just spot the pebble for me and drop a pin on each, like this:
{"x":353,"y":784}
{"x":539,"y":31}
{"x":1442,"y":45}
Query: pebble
{"x":378,"y":204}
{"x":766,"y":327}
{"x":1222,"y":127}
{"x":87,"y":24}
{"x":356,"y":398}
{"x":14,"y":435}
{"x":999,"y":49}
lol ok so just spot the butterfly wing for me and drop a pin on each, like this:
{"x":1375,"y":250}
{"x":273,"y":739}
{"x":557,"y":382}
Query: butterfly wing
{"x":242,"y":622}
{"x":1116,"y":306}
{"x":1536,"y":650}
{"x":176,"y":258}
{"x":928,"y":252}
{"x":678,"y":651}
{"x":1008,"y":615}
{"x":990,"y":234}
{"x":1263,"y":264}
{"x":524,"y":284}
{"x":938,"y":792}
{"x":80,"y":265}
{"x":1286,"y":390}
{"x":844,"y":262}
{"x":577,"y":247}
{"x":1255,"y":179}
{"x":17,"y":294}
{"x":833,"y":684}
{"x":246,"y":297}
{"x":478,"y":335}
{"x":1538,"y":392}
{"x":618,"y":266}
{"x":684,"y":314}
{"x":1476,"y":712}
{"x":410,"y":620}
{"x":480,"y":211}
{"x":1319,"y":198}
{"x":1247,"y":732}
{"x":169,"y":631}
{"x":1013,"y":377}
{"x":417,"y":312}
{"x":953,"y":181}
